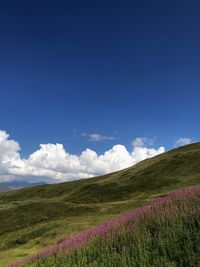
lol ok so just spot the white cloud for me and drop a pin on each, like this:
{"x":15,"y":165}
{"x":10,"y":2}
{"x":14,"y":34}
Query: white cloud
{"x":95,"y":137}
{"x":143,"y":141}
{"x":183,"y":142}
{"x":98,"y":137}
{"x":52,"y":161}
{"x":9,"y":154}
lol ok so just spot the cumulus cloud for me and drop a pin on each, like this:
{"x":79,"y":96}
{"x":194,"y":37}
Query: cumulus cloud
{"x":9,"y":154}
{"x":53,"y":162}
{"x":183,"y":142}
{"x":143,"y":141}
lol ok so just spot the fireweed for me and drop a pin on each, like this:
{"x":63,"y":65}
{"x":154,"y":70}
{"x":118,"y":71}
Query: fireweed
{"x":164,"y":233}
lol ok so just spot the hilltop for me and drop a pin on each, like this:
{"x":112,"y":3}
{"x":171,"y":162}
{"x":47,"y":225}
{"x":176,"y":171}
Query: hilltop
{"x":35,"y":217}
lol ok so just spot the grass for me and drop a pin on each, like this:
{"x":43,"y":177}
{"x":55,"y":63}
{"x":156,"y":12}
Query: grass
{"x":163,"y":233}
{"x":33,"y":218}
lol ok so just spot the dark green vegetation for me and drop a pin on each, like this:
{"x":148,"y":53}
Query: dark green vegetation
{"x":164,"y":234}
{"x":35,"y":217}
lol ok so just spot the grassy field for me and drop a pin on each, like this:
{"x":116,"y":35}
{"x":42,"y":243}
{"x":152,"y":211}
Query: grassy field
{"x":36,"y":217}
{"x":163,"y":233}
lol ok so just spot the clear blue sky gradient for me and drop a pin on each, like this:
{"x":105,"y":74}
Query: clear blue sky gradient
{"x":118,"y":68}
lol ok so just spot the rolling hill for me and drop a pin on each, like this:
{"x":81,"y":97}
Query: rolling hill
{"x":164,"y":232}
{"x":12,"y":185}
{"x":35,"y":217}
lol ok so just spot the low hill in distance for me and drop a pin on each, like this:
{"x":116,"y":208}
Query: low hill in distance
{"x":12,"y":185}
{"x":4,"y":188}
{"x":35,"y":217}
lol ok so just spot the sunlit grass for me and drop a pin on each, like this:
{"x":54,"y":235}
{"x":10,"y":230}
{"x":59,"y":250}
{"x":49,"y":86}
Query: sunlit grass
{"x":163,"y":233}
{"x":37,"y":217}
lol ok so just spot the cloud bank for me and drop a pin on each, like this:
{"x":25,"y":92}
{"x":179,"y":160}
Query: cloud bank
{"x":53,"y":162}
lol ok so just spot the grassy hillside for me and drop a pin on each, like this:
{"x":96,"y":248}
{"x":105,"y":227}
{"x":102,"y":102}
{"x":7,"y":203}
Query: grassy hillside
{"x":163,"y":233}
{"x":35,"y":217}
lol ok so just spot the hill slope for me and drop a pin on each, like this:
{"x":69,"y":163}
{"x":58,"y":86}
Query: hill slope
{"x":163,"y":233}
{"x":35,"y":217}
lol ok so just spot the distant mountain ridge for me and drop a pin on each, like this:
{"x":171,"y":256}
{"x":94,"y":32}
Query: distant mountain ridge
{"x":11,"y":185}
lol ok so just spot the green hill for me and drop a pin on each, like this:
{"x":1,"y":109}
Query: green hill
{"x":163,"y":233}
{"x":35,"y":217}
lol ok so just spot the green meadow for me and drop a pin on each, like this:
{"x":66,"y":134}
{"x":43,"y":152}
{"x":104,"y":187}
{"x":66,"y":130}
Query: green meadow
{"x":34,"y":218}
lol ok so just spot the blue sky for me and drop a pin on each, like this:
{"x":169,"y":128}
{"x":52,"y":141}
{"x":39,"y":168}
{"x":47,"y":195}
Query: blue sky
{"x":120,"y":69}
